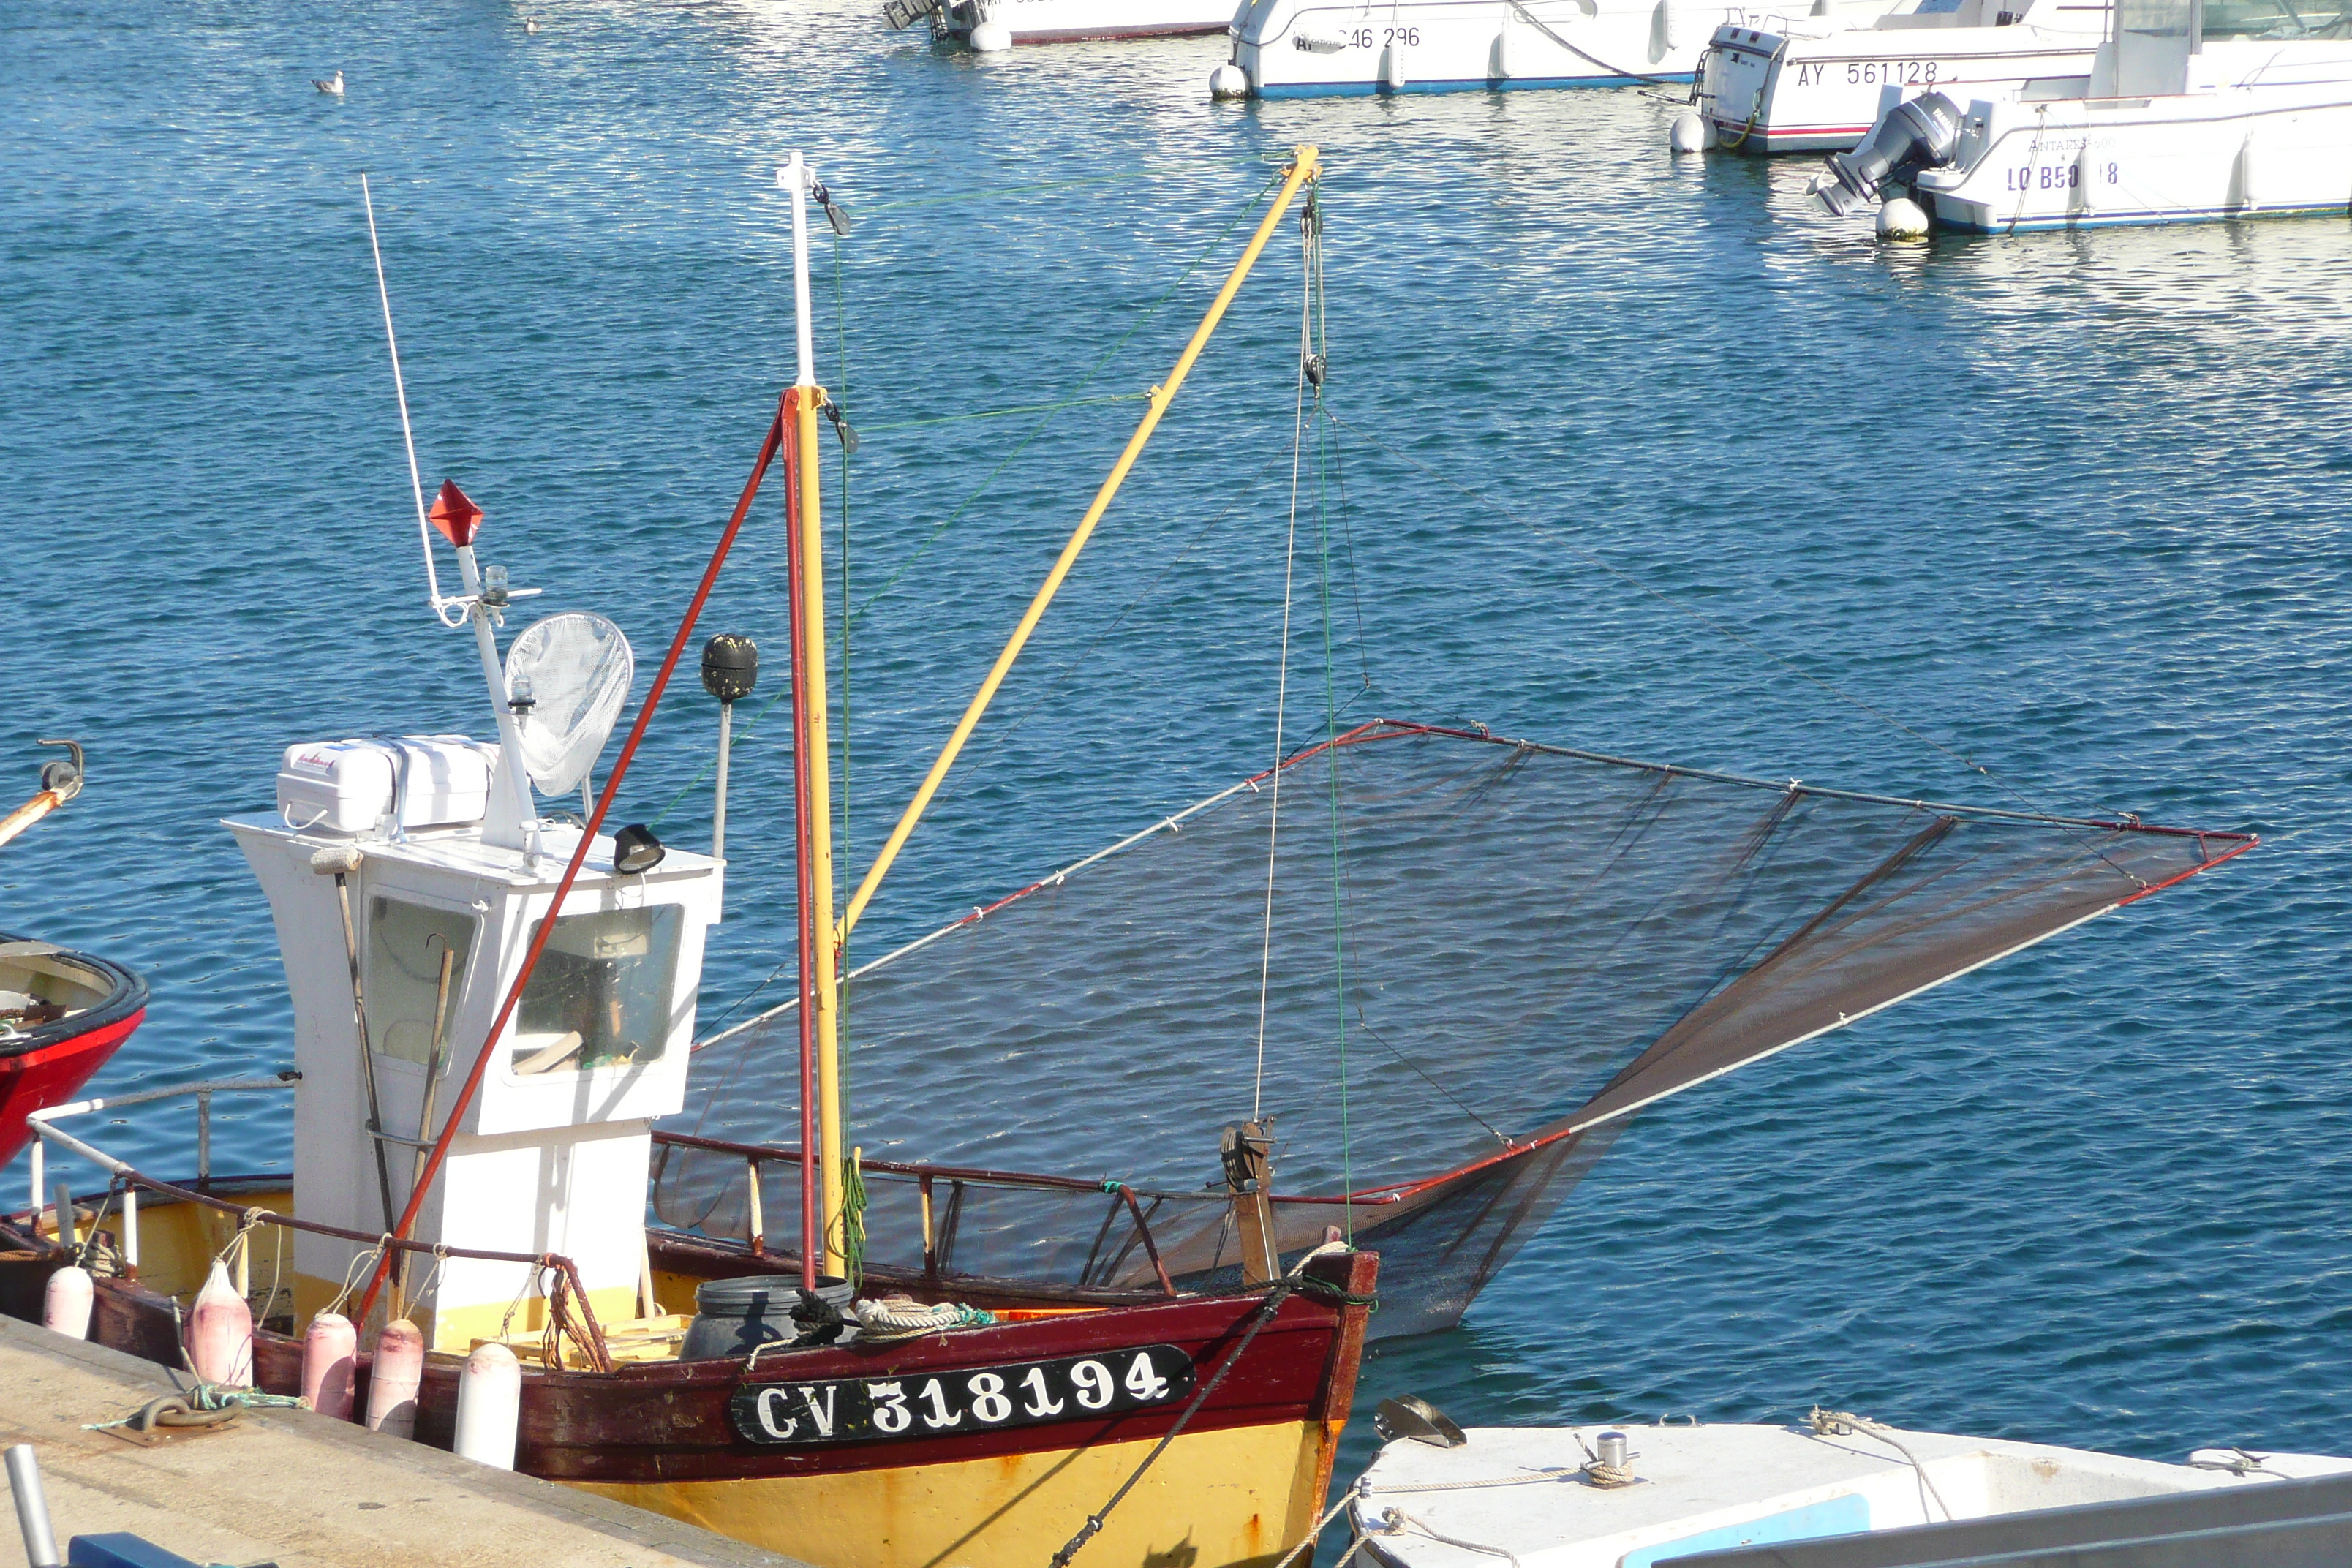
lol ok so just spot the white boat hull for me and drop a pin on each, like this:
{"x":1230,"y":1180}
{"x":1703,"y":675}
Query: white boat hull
{"x":2272,"y":148}
{"x":1517,"y":1492}
{"x":1072,"y":21}
{"x":1776,"y":92}
{"x":1305,"y":48}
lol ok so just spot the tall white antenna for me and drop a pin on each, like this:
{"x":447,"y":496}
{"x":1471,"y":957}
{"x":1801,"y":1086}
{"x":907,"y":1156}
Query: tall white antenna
{"x":400,"y":390}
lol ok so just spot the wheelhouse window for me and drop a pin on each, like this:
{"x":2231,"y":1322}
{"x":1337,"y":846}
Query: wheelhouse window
{"x":600,"y":994}
{"x":404,"y":996}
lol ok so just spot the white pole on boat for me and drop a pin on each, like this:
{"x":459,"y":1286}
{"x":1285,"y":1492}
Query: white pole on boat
{"x":797,"y":177}
{"x":400,"y":390}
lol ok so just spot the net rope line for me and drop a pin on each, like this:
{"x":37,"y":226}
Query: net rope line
{"x":1282,"y":661}
{"x":1710,"y":623}
{"x":1381,"y":728}
{"x":850,"y":616}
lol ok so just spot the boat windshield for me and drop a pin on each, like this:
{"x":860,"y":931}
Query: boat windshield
{"x":2278,"y":18}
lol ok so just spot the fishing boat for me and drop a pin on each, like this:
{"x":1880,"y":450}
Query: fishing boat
{"x":1801,"y":85}
{"x":62,"y":1014}
{"x":991,"y":24}
{"x":1833,"y":1490}
{"x":2191,"y":111}
{"x":492,"y":1007}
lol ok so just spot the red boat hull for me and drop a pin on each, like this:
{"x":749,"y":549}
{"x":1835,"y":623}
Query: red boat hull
{"x":46,"y":1064}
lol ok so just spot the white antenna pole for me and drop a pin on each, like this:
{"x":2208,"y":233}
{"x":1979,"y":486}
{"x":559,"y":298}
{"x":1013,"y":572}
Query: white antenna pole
{"x":400,"y":390}
{"x":799,"y":178}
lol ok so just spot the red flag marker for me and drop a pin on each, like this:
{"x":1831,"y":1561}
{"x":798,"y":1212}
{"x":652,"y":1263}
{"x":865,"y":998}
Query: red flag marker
{"x":456,"y":516}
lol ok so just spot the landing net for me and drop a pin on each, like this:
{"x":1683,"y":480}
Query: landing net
{"x":1521,"y":945}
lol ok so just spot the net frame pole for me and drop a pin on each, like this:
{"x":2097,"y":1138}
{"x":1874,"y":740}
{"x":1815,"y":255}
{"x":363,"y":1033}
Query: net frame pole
{"x":1306,"y":165}
{"x":803,"y":898}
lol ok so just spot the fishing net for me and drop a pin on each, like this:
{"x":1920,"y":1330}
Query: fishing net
{"x":1482,"y":957}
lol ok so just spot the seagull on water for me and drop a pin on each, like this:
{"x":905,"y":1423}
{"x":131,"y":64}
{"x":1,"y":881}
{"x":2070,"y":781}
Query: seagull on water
{"x":333,"y":84}
{"x":530,"y":23}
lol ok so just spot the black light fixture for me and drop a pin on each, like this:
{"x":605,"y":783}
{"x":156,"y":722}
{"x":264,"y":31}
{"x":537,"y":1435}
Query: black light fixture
{"x":731,"y":667}
{"x":635,"y":849}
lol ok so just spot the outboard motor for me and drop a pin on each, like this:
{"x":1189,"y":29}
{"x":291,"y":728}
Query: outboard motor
{"x":1923,"y":133}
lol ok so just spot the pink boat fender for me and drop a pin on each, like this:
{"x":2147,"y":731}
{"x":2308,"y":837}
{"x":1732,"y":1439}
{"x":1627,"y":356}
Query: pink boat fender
{"x":392,"y":1384}
{"x":331,"y":1349}
{"x":220,"y":1332}
{"x":64,"y":1309}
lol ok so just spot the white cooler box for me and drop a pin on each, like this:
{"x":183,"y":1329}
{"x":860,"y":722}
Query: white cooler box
{"x":373,"y":785}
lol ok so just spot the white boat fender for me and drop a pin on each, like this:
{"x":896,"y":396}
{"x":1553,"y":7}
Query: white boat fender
{"x":1499,"y":61}
{"x":991,"y":37}
{"x":331,"y":1349}
{"x":392,"y":1381}
{"x":2248,"y":170}
{"x":1691,"y":133}
{"x":1903,"y":218}
{"x":490,"y":1407}
{"x":1392,"y":69}
{"x":220,"y":1332}
{"x":1229,"y":81}
{"x":65,"y":1307}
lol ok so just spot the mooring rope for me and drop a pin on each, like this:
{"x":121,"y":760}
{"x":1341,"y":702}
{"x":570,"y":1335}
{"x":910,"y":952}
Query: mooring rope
{"x":1281,"y":1291}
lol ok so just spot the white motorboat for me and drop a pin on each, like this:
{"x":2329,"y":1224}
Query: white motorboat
{"x":999,"y":24}
{"x":1801,"y":85}
{"x":1305,"y":48}
{"x":2192,"y":110}
{"x":1553,"y":1498}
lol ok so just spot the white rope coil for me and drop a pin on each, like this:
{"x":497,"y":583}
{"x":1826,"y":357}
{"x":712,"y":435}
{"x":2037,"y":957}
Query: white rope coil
{"x":899,"y":1318}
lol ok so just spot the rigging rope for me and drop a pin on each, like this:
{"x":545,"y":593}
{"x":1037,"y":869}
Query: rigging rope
{"x":1282,"y":662}
{"x":1316,"y":367}
{"x":849,"y":616}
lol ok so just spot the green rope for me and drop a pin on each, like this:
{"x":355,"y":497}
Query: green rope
{"x":1130,"y":179}
{"x":1006,"y":412}
{"x":851,"y":1242}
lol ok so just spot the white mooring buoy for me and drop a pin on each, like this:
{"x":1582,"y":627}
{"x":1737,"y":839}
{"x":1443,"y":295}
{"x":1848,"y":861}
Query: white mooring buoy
{"x":1229,"y":81}
{"x":1691,"y":133}
{"x":1902,"y":218}
{"x":489,"y":1405}
{"x":64,"y":1309}
{"x":991,"y":37}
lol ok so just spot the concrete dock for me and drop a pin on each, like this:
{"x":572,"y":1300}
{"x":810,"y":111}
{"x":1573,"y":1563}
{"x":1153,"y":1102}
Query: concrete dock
{"x":297,"y":1490}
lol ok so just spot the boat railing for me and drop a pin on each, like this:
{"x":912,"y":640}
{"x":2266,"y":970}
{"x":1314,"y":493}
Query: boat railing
{"x":975,"y":1222}
{"x":128,"y":1182}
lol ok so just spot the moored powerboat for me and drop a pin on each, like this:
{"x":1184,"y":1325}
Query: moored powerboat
{"x":1306,"y":48}
{"x":2192,"y":110}
{"x":1835,"y":1489}
{"x":1794,"y":86}
{"x":62,"y":1014}
{"x":988,"y":24}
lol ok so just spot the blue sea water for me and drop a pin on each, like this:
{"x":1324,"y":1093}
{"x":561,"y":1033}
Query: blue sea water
{"x":1770,"y":499}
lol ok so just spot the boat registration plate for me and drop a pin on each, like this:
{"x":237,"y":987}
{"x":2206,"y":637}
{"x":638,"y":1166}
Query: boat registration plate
{"x":928,"y":1404}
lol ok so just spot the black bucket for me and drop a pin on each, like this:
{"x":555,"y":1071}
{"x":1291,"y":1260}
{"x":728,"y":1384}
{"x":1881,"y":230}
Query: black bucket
{"x":736,"y":1317}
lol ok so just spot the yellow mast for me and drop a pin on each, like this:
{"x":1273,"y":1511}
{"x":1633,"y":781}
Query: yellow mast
{"x":1304,"y":166}
{"x":805,"y":398}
